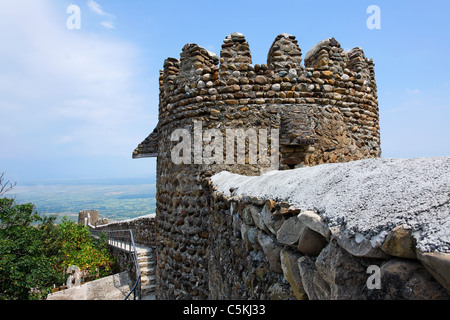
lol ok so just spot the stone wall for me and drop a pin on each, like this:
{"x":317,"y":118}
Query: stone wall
{"x":144,"y":229}
{"x":327,"y":232}
{"x":264,"y":249}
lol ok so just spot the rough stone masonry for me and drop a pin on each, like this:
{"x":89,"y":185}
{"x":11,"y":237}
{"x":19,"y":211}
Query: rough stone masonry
{"x":325,"y":109}
{"x":322,"y":228}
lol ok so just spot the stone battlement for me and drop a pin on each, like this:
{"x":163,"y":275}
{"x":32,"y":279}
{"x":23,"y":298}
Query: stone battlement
{"x":329,"y":103}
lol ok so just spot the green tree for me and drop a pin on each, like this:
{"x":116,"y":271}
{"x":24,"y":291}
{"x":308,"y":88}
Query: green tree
{"x":26,"y":269}
{"x":78,"y":247}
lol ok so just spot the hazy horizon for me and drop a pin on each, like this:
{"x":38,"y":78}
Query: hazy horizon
{"x":85,"y":181}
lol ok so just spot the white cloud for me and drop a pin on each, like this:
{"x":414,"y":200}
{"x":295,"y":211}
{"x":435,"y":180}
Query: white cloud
{"x":60,"y":86}
{"x":95,"y":7}
{"x":108,"y":25}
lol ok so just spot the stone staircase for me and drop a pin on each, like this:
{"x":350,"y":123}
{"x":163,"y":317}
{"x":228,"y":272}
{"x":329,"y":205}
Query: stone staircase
{"x":147,"y":264}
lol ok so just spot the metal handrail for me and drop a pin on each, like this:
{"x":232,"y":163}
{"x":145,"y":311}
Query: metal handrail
{"x":137,"y":285}
{"x":124,"y":239}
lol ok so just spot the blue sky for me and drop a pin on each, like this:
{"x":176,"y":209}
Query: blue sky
{"x":75,"y":103}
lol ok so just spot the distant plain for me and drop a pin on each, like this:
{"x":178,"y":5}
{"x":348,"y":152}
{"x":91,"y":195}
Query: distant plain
{"x":116,"y":199}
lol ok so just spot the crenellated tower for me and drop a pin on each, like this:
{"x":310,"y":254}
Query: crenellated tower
{"x":324,"y":110}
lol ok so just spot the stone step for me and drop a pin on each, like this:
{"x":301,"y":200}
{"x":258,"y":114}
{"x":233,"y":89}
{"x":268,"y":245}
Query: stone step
{"x":148,"y":270}
{"x":145,"y":259}
{"x":150,"y":296}
{"x":147,"y":281}
{"x":148,"y":289}
{"x":144,"y":251}
{"x":147,"y":266}
{"x":148,"y":278}
{"x":146,"y":262}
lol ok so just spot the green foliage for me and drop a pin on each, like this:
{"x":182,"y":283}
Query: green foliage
{"x":24,"y":262}
{"x":77,"y":247}
{"x":34,"y":252}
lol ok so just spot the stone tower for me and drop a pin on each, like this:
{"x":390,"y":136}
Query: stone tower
{"x":86,"y":217}
{"x":323,"y":111}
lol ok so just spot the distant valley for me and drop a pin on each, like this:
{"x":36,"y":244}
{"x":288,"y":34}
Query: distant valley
{"x":116,"y":199}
